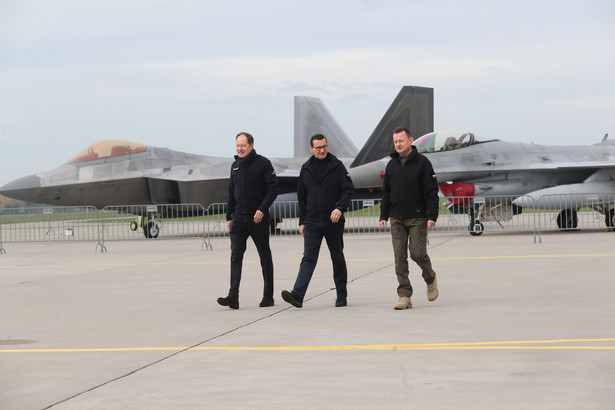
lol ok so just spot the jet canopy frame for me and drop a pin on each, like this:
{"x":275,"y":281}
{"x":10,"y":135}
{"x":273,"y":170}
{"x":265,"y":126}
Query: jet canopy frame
{"x":444,"y":141}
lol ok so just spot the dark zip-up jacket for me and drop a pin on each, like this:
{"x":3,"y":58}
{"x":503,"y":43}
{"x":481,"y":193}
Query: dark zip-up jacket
{"x":411,"y":190}
{"x":253,"y":186}
{"x":317,"y":199}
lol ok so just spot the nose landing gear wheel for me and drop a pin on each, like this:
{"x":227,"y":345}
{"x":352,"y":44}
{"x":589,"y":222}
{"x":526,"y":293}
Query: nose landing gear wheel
{"x":476,"y":228}
{"x":609,"y":218}
{"x":151,"y":230}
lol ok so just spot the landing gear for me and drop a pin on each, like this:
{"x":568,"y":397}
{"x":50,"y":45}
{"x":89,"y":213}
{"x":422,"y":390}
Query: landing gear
{"x":567,"y":219}
{"x":476,"y":228}
{"x":151,"y":228}
{"x":609,"y":218}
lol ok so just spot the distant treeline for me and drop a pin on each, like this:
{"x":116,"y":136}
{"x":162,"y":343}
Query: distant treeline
{"x":14,"y":203}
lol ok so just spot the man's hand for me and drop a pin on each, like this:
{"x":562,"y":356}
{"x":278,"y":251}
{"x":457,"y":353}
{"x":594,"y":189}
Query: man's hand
{"x":383,"y":224}
{"x":228,"y":225}
{"x":336,"y":215}
{"x":431,"y":224}
{"x":301,"y":229}
{"x":258,"y":216}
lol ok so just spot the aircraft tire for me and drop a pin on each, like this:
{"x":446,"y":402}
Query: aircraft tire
{"x":151,"y":230}
{"x":609,"y":218}
{"x":567,"y":219}
{"x":476,"y":228}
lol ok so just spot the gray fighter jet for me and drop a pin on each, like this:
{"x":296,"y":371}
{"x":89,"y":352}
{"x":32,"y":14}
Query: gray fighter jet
{"x":125,"y":173}
{"x":469,"y":167}
{"x":543,"y":177}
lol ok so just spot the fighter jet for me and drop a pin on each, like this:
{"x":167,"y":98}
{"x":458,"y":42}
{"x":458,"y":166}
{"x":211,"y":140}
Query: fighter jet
{"x":121,"y":173}
{"x":542,"y":176}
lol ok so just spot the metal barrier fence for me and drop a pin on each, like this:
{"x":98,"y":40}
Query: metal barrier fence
{"x":49,"y":224}
{"x":112,"y":223}
{"x":477,"y":215}
{"x":572,"y":212}
{"x":473,"y":215}
{"x":361,"y":218}
{"x":132,"y":222}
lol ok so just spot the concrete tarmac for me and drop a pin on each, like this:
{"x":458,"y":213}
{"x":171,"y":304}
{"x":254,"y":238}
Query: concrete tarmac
{"x":517,"y":325}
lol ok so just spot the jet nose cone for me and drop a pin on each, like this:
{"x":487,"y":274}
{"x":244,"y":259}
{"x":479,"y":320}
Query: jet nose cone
{"x":31,"y":181}
{"x":21,"y":188}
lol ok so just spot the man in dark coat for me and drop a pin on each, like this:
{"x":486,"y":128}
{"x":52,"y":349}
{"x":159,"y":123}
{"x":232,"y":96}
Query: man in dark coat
{"x":253,"y":187}
{"x":324,"y":192}
{"x":410,"y":200}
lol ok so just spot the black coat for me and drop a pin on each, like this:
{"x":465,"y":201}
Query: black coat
{"x":317,"y":199}
{"x":253,"y":186}
{"x":411,"y":190}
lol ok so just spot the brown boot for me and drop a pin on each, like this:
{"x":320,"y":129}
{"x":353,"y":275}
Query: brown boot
{"x":432,"y":291}
{"x":403,"y":303}
{"x":230,"y":301}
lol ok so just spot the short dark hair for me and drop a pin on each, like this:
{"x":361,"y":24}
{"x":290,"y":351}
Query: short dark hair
{"x":317,"y":137}
{"x":248,"y":136}
{"x":402,"y":129}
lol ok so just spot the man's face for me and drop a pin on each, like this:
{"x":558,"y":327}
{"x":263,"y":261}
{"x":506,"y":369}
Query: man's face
{"x":403,"y":143}
{"x":243,"y":148}
{"x":319,"y":148}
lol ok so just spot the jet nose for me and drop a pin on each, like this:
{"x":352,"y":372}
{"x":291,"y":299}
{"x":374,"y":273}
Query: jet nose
{"x":31,"y":181}
{"x":21,"y":188}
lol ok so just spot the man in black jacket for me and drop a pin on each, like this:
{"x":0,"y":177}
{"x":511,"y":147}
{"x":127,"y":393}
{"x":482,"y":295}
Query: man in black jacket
{"x":324,"y":192}
{"x":410,"y":199}
{"x":252,"y":188}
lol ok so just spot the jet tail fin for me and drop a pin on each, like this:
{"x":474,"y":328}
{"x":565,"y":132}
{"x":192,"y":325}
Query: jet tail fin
{"x":312,"y":117}
{"x":412,"y":108}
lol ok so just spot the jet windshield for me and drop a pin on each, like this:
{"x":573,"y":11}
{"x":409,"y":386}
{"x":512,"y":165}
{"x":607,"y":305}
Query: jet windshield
{"x":108,"y":149}
{"x":443,"y":141}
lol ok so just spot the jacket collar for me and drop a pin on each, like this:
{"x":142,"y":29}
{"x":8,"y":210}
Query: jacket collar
{"x":242,"y":161}
{"x":411,"y":155}
{"x":330,"y":157}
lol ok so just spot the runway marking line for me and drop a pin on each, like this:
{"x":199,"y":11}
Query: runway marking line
{"x":501,"y":345}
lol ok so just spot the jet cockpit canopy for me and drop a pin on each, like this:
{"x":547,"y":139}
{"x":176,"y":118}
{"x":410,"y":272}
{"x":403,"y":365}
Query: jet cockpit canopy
{"x":444,"y":141}
{"x":107,"y":150}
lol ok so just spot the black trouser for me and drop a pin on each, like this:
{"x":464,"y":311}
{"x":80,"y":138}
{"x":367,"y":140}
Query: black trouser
{"x":313,"y":232}
{"x":243,"y":226}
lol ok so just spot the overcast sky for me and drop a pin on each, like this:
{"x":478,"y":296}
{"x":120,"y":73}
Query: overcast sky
{"x":189,"y":75}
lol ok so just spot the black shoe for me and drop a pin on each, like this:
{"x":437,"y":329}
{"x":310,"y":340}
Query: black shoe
{"x":230,"y":301}
{"x":339,"y":302}
{"x":292,"y":298}
{"x":267,"y":301}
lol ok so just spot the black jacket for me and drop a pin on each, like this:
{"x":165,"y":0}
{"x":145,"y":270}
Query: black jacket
{"x":410,"y":191}
{"x":317,"y":199}
{"x":253,"y":186}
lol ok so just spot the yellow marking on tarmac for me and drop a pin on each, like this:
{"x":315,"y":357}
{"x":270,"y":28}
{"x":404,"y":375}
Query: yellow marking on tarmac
{"x":502,"y":345}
